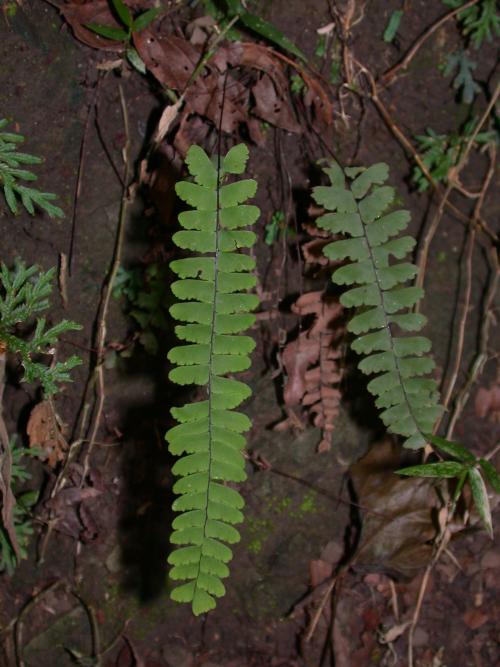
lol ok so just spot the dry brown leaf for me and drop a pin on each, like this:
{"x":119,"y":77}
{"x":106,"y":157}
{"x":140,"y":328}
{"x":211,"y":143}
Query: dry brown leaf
{"x":45,"y":432}
{"x":397,"y":533}
{"x":475,"y":618}
{"x":311,"y":365}
{"x":169,"y":58}
{"x":487,"y":403}
{"x":273,"y":107}
{"x":319,"y":571}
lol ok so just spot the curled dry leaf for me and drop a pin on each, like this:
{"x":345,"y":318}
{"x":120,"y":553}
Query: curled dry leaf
{"x":311,"y":365}
{"x":44,"y":431}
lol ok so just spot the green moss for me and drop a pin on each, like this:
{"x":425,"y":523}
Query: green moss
{"x":255,"y":546}
{"x":308,"y":503}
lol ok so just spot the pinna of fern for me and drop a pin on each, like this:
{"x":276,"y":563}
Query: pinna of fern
{"x":357,"y":202}
{"x":214,"y":308}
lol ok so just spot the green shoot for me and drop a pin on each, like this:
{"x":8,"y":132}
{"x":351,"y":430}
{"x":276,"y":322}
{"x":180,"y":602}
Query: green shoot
{"x":466,"y":467}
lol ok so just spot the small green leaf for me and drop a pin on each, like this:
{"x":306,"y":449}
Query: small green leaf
{"x":393,"y":25}
{"x":144,"y":19}
{"x":123,"y":12}
{"x":441,"y":470}
{"x":454,"y":449}
{"x":136,"y":61}
{"x":107,"y":31}
{"x":480,"y":496}
{"x":263,"y":28}
{"x":491,"y":474}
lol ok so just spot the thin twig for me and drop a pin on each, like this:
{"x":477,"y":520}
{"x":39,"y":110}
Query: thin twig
{"x":463,"y":319}
{"x":319,"y":610}
{"x":453,"y":177}
{"x":81,"y":161}
{"x":389,"y":76}
{"x":482,"y":353}
{"x":18,"y":625}
{"x":107,"y":289}
{"x":408,"y":146}
{"x":7,"y":496}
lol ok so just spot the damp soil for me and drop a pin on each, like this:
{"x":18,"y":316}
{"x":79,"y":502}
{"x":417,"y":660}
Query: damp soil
{"x":108,"y":592}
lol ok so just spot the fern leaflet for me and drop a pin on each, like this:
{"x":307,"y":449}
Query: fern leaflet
{"x":408,"y":399}
{"x":214,"y":308}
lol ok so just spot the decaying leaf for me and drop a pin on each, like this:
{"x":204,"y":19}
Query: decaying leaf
{"x":487,"y":403}
{"x":272,"y":107}
{"x":311,"y":366}
{"x":232,"y":73}
{"x":44,"y":431}
{"x":68,"y":513}
{"x":400,"y":524}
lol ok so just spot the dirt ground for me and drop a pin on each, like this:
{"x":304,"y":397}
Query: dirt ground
{"x":94,"y":589}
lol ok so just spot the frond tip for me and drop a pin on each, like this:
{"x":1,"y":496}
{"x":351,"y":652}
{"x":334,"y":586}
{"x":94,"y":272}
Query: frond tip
{"x":358,"y":209}
{"x":215,"y":309}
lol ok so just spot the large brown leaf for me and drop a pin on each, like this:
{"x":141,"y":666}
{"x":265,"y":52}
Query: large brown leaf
{"x":399,"y":523}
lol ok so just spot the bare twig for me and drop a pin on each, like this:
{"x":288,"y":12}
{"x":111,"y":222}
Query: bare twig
{"x":81,"y":161}
{"x":8,"y":498}
{"x":107,"y":289}
{"x":319,"y":610}
{"x":482,"y":354}
{"x":19,"y":622}
{"x":463,"y":319}
{"x":390,"y":75}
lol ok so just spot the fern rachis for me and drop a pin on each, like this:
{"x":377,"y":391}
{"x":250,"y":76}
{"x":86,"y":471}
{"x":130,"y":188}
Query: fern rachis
{"x":407,"y":398}
{"x":214,"y":308}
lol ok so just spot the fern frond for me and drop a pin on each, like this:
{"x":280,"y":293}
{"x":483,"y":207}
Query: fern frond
{"x":214,"y":308}
{"x":407,"y":399}
{"x":12,"y":171}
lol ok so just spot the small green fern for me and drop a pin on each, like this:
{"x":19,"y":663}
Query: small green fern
{"x":215,"y":308}
{"x":408,"y":400}
{"x":24,"y":292}
{"x":12,"y":171}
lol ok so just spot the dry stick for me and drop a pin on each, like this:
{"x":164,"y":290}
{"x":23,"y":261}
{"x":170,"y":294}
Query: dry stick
{"x":18,"y":624}
{"x":429,"y":235}
{"x":8,"y":498}
{"x":408,"y":146}
{"x":476,"y":213}
{"x":76,"y":197}
{"x":463,"y":320}
{"x":442,"y":540}
{"x":107,"y":289}
{"x":482,"y":355}
{"x":319,"y":610}
{"x":389,"y":76}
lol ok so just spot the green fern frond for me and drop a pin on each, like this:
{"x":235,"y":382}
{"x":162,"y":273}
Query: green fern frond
{"x":12,"y":172}
{"x":215,"y":309}
{"x":24,"y":292}
{"x":407,"y":399}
